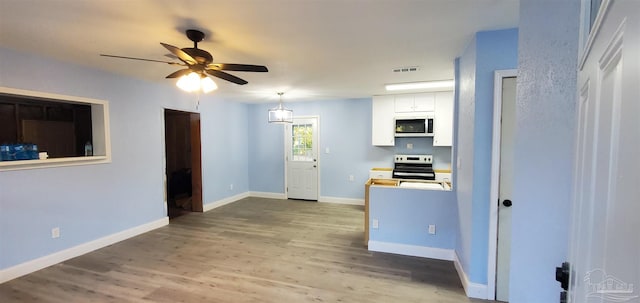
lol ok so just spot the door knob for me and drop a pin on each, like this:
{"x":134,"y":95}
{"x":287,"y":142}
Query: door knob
{"x":507,"y":203}
{"x":563,"y":274}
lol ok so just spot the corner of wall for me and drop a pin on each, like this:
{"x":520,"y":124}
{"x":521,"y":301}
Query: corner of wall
{"x":472,"y":290}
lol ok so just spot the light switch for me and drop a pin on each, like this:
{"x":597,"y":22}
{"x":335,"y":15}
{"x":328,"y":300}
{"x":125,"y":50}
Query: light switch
{"x":326,"y":150}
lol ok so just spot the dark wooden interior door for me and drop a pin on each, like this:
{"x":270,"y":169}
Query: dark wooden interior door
{"x":183,"y":157}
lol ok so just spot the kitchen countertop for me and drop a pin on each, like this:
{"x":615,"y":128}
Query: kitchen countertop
{"x":413,"y":184}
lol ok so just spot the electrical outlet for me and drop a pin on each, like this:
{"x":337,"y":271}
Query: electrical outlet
{"x":432,"y":229}
{"x":351,"y":178}
{"x":55,"y":232}
{"x":374,"y":224}
{"x":230,"y":186}
{"x":409,"y":145}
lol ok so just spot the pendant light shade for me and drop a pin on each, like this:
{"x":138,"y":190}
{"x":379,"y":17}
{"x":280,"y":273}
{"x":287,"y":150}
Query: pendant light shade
{"x":280,"y":115}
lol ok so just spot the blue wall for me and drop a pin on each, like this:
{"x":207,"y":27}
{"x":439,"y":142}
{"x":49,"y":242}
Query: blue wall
{"x":545,"y":133}
{"x":487,"y":52}
{"x":345,"y":128}
{"x":422,"y":146}
{"x":464,"y":151}
{"x":404,"y":216}
{"x":224,"y":129}
{"x":94,"y":201}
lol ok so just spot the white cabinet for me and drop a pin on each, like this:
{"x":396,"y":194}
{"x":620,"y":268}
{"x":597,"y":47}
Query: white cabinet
{"x":424,"y":102}
{"x":386,"y":108}
{"x":443,"y":120}
{"x":411,"y":103}
{"x":382,"y":122}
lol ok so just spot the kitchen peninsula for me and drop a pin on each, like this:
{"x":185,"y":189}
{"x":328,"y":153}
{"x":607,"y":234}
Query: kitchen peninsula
{"x":418,"y":219}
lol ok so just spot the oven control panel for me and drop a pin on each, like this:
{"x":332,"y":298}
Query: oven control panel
{"x":417,"y":159}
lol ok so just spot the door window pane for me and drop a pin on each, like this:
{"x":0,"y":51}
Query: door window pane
{"x":302,"y":142}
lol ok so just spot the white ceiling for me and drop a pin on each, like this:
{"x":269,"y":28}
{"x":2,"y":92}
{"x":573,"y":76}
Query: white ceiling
{"x":314,"y":49}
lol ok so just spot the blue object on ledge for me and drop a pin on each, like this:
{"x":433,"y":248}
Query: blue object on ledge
{"x":21,"y":151}
{"x":5,"y":152}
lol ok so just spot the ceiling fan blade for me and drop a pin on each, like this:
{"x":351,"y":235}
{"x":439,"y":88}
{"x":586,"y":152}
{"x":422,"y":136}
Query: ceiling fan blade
{"x":238,"y":67}
{"x":141,"y":59}
{"x":186,"y":58}
{"x":179,"y":73}
{"x":225,"y":76}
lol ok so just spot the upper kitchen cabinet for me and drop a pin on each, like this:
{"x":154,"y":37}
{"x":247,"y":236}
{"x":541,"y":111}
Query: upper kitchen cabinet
{"x":443,"y":120}
{"x":409,"y":104}
{"x":382,"y":122}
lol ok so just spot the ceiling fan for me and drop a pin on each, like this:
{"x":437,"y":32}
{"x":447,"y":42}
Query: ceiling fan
{"x":200,"y":62}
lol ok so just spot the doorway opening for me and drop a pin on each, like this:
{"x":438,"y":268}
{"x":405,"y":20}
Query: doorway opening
{"x":183,"y":162}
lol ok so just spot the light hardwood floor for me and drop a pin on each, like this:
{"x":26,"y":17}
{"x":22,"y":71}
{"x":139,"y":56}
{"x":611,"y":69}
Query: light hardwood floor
{"x":253,"y":250}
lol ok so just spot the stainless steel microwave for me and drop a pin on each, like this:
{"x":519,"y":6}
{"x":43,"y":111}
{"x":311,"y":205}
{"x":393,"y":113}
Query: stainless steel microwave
{"x":414,"y":126}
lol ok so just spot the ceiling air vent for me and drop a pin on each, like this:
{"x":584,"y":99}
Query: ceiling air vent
{"x":406,"y":69}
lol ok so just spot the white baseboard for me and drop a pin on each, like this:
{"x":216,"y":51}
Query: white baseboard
{"x":225,"y":201}
{"x":55,"y":258}
{"x":473,"y":290}
{"x":336,"y":200}
{"x":324,"y":199}
{"x":268,"y":195}
{"x":412,"y":250}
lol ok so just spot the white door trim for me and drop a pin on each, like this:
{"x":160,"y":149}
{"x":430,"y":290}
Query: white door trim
{"x":495,"y":180}
{"x":284,"y":158}
{"x":286,"y":151}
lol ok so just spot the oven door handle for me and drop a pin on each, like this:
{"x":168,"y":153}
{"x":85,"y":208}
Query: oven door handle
{"x":413,"y":174}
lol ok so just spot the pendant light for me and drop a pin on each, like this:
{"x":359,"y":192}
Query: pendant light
{"x":280,"y":115}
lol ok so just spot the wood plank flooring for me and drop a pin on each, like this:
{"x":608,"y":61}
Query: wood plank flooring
{"x":253,"y":250}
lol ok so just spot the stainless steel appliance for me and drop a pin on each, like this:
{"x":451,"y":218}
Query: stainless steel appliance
{"x":414,"y":126}
{"x":418,"y":167}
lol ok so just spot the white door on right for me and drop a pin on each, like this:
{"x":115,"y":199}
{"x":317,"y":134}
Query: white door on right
{"x":605,"y":242}
{"x":507,"y":137}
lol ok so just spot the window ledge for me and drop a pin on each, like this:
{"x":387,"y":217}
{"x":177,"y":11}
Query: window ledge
{"x":54,"y":162}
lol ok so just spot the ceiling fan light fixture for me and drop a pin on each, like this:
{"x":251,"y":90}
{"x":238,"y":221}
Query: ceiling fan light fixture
{"x":189,"y":83}
{"x":194,"y":82}
{"x":280,"y":114}
{"x":208,"y":85}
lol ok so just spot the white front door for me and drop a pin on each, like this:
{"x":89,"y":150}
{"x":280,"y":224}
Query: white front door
{"x":604,"y":252}
{"x":507,"y":137}
{"x":302,"y":158}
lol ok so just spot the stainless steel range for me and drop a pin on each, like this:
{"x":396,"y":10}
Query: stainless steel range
{"x":414,"y":167}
